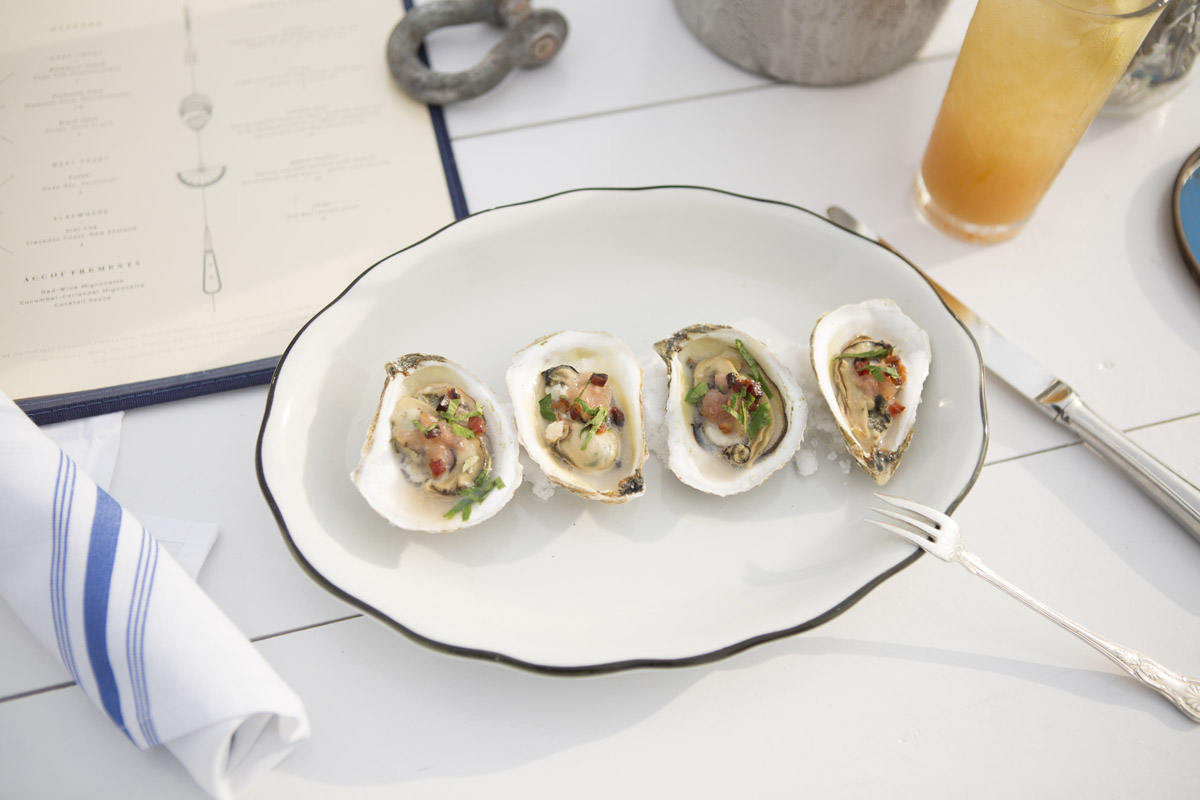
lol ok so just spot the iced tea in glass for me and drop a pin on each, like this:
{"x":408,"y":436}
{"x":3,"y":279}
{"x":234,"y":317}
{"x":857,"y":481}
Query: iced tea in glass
{"x":1030,"y":78}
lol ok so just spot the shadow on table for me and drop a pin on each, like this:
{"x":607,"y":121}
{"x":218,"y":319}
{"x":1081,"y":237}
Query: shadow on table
{"x":1136,"y":530}
{"x":1092,"y":685}
{"x":398,"y":713}
{"x":385,"y":711}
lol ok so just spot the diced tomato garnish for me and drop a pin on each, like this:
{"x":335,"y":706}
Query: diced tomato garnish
{"x":476,"y":425}
{"x":437,"y":467}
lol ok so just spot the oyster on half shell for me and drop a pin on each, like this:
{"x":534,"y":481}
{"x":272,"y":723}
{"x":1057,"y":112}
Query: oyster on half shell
{"x":871,"y":362}
{"x":576,"y":397}
{"x":734,"y":412}
{"x":441,"y":453}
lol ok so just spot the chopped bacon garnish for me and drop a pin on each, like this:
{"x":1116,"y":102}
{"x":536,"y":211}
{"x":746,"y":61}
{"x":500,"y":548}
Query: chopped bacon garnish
{"x":476,"y":425}
{"x":437,"y":467}
{"x":598,"y":379}
{"x":616,"y":415}
{"x":433,"y":432}
{"x":895,"y":408}
{"x":562,"y":406}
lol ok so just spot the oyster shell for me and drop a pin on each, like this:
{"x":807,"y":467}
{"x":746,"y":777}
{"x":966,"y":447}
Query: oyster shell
{"x":744,"y":423}
{"x":871,"y":362}
{"x":440,"y":453}
{"x":576,"y":397}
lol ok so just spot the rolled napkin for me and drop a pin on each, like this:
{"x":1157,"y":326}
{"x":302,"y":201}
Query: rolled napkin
{"x":150,"y":649}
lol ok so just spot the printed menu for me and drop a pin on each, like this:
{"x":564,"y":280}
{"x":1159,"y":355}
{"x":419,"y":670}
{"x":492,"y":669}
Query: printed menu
{"x":184,"y":184}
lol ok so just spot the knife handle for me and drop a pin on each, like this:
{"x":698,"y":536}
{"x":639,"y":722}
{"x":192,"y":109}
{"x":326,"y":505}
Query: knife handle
{"x":1169,"y":489}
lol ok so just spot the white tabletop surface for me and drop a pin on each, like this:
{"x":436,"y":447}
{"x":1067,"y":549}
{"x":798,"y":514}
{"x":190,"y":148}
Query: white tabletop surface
{"x":935,"y":684}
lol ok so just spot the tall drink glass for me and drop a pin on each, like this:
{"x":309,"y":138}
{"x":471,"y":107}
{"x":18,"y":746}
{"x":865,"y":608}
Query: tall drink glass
{"x":1030,"y":78}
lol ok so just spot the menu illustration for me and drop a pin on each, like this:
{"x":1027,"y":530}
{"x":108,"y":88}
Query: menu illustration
{"x":195,"y":111}
{"x":183,"y":184}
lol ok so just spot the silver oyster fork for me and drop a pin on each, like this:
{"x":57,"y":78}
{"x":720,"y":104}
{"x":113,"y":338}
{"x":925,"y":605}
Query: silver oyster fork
{"x":936,"y":533}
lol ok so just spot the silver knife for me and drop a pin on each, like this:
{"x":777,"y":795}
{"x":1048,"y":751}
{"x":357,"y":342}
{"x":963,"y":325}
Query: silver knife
{"x":1061,"y":403}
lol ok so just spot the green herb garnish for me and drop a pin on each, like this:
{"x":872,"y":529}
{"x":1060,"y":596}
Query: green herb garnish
{"x":460,"y":430}
{"x":879,"y":373}
{"x":753,"y":365}
{"x":878,"y":352}
{"x":596,"y":418}
{"x":456,"y":421}
{"x":424,"y":430}
{"x":759,"y":419}
{"x":737,"y":407}
{"x":737,"y":404}
{"x":579,"y":401}
{"x":697,"y":393}
{"x":589,"y":430}
{"x":474,"y":494}
{"x":545,"y":405}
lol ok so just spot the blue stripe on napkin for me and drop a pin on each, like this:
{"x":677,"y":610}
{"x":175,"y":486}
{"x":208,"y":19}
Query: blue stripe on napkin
{"x":64,"y":496}
{"x":101,"y":558}
{"x":106,"y":525}
{"x":135,"y":636}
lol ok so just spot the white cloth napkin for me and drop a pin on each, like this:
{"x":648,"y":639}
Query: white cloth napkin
{"x":92,"y":443}
{"x":150,"y":649}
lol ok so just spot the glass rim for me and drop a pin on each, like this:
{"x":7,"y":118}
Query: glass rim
{"x":1149,"y":8}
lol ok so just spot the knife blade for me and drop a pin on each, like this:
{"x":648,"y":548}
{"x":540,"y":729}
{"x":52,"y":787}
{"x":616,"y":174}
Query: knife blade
{"x":1060,"y":402}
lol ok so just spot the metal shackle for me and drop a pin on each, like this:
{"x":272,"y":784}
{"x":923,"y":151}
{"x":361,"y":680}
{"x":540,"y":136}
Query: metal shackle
{"x":533,"y":37}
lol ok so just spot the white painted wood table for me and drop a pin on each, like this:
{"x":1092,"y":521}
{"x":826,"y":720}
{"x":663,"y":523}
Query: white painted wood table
{"x":934,"y":684}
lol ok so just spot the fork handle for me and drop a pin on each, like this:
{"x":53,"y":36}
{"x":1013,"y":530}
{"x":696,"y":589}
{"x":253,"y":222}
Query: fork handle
{"x":1184,"y":692}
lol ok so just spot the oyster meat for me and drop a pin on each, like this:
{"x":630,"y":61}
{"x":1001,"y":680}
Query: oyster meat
{"x":440,"y":454}
{"x":871,"y":362}
{"x":734,"y":413}
{"x":576,"y":397}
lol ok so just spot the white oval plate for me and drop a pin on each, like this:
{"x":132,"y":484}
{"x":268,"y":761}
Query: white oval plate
{"x":675,"y":577}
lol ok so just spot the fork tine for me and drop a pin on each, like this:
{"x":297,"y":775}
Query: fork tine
{"x":917,"y":508}
{"x":915,"y":538}
{"x":920,"y":524}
